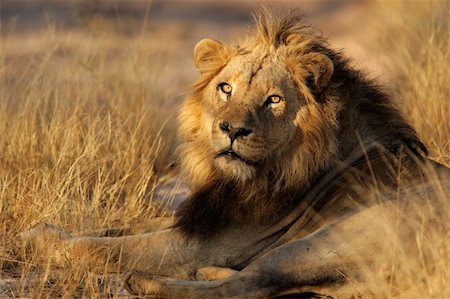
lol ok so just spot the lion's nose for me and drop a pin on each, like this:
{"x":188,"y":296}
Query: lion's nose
{"x":233,"y":132}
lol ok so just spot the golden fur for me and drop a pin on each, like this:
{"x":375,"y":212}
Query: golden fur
{"x":300,"y":61}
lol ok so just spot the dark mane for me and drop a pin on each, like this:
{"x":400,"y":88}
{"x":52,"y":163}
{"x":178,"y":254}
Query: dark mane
{"x":208,"y":210}
{"x":368,"y":107}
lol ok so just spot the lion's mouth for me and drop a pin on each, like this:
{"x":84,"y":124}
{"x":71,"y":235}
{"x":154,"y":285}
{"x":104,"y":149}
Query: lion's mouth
{"x":235,"y":156}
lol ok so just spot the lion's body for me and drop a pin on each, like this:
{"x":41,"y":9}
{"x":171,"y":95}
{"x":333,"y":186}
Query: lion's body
{"x":293,"y":157}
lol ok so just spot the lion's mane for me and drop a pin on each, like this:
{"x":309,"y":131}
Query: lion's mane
{"x":351,"y":112}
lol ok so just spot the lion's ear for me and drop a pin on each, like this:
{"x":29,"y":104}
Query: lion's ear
{"x":319,"y":69}
{"x":207,"y":54}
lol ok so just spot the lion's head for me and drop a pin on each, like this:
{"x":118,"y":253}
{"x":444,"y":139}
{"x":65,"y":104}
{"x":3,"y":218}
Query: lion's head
{"x":261,"y":109}
{"x":274,"y":112}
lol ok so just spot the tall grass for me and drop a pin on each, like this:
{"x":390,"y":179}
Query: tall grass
{"x":83,"y":142}
{"x":81,"y":125}
{"x":414,"y":39}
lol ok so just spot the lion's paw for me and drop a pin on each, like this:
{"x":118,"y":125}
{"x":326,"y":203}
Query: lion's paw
{"x":41,"y":238}
{"x":139,"y":283}
{"x":214,"y":273}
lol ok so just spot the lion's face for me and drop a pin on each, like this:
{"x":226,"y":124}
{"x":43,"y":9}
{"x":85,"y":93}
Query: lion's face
{"x":249,"y":112}
{"x":253,"y":116}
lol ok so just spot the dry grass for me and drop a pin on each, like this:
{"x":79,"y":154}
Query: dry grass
{"x":420,"y":269}
{"x":81,"y":144}
{"x":415,"y":46}
{"x":81,"y":120}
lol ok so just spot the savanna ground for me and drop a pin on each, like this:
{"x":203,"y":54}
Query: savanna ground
{"x":89,"y":93}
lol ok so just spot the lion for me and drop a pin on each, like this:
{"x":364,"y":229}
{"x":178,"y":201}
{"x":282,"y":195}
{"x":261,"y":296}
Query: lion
{"x":293,"y":158}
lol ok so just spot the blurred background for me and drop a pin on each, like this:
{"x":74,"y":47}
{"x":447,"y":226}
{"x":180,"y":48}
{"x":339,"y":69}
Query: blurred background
{"x":172,"y":27}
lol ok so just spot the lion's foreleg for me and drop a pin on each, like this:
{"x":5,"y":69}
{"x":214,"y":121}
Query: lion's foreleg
{"x":148,"y":226}
{"x":331,"y":261}
{"x":164,"y":252}
{"x":292,"y":268}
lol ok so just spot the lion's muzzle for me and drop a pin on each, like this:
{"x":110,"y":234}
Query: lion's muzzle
{"x":233,"y":132}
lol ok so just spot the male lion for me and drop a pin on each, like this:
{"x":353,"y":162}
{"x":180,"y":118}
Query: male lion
{"x":293,"y":158}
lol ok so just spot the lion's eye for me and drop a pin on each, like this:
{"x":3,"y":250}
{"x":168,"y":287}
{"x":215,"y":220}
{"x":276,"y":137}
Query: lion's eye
{"x":225,"y":88}
{"x":273,"y":99}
